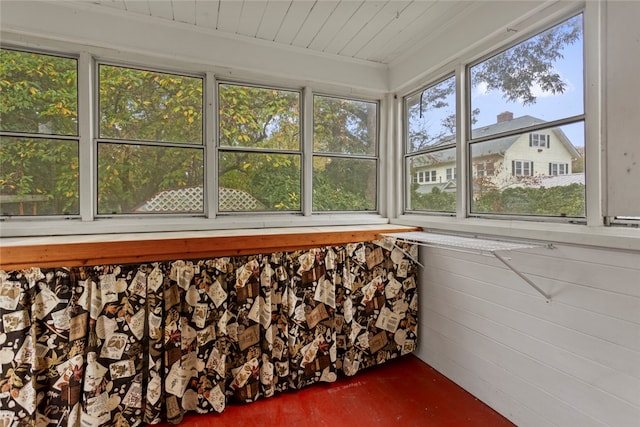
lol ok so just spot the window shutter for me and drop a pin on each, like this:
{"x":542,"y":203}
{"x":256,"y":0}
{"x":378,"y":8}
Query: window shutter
{"x":530,"y":168}
{"x":513,"y":162}
{"x":530,"y":140}
{"x":550,"y":169}
{"x":548,"y":138}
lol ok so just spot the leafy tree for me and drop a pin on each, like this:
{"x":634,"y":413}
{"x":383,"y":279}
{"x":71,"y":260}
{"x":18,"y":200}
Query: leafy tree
{"x":436,"y":201}
{"x":260,"y":141}
{"x":564,"y":201}
{"x":38,"y":95}
{"x":343,"y":128}
{"x":138,"y":106}
{"x":516,"y":71}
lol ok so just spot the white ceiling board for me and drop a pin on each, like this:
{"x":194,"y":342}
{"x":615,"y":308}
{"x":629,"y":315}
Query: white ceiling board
{"x":293,"y":21}
{"x":272,"y":19}
{"x":184,"y":11}
{"x":387,"y":14}
{"x":398,"y":29}
{"x":229,"y":15}
{"x":382,"y":31}
{"x":207,"y":14}
{"x":338,"y":19}
{"x":356,"y":22}
{"x":137,"y":6}
{"x":318,"y":16}
{"x":161,"y":9}
{"x":117,"y":4}
{"x":252,"y":16}
{"x":434,"y":19}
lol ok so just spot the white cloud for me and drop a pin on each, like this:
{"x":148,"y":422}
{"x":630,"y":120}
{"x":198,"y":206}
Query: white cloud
{"x":481,"y":89}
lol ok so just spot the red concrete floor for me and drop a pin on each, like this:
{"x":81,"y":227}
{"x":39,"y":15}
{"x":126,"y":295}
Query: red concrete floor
{"x":404,"y":392}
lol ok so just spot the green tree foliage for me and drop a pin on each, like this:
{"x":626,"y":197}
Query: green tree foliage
{"x":555,"y":201}
{"x":151,"y":106}
{"x":342,"y":128}
{"x":38,"y":95}
{"x":139,"y":105}
{"x":436,"y":201}
{"x":517,"y":71}
{"x":259,"y":131}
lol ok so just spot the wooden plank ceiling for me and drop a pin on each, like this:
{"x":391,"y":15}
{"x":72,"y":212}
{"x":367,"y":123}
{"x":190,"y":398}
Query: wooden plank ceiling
{"x":369,"y":30}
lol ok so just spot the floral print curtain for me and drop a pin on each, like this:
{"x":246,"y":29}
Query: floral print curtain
{"x":127,"y":345}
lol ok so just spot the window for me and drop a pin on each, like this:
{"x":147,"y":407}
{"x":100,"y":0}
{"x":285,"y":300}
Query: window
{"x":484,"y":168}
{"x":529,"y":96}
{"x":522,"y":168}
{"x":259,"y":155}
{"x":430,"y":140}
{"x":150,"y":142}
{"x":558,"y":168}
{"x":423,"y":177}
{"x":345,"y":150}
{"x":451,"y":174}
{"x":39,"y":140}
{"x":150,"y":150}
{"x":539,"y":140}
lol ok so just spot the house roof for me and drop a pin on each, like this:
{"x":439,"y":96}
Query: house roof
{"x":496,"y":146}
{"x":190,"y":199}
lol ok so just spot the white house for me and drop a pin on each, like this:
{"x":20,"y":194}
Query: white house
{"x":503,"y":162}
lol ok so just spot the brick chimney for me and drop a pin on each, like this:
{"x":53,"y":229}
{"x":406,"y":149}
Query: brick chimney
{"x":505,"y":116}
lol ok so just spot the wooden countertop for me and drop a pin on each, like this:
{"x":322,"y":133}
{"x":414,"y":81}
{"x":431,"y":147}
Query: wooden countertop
{"x":72,"y":251}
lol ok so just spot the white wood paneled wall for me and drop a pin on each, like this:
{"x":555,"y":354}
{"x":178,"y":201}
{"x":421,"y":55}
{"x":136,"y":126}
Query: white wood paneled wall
{"x":572,"y":362}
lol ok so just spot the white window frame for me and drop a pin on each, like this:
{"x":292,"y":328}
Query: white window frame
{"x":426,"y":176}
{"x":242,"y":149}
{"x":451,"y":174}
{"x":375,"y":157}
{"x":81,"y":114}
{"x":480,"y":172}
{"x":556,"y":169}
{"x":202,"y":146}
{"x":539,"y":140}
{"x":90,"y":223}
{"x":467,"y":172}
{"x":522,"y":168}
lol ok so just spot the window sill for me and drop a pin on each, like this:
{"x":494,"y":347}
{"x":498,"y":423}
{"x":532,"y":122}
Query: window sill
{"x":96,"y":249}
{"x":624,"y":238}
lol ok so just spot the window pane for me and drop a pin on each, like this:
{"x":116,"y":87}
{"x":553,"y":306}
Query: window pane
{"x":431,"y":116}
{"x":344,"y":184}
{"x":146,"y":105}
{"x":259,"y":117}
{"x":433,"y":190}
{"x":259,"y":182}
{"x":524,"y":180}
{"x":39,"y":93}
{"x":536,"y":81}
{"x":344,"y":126}
{"x":38,"y":176}
{"x":149,"y":179}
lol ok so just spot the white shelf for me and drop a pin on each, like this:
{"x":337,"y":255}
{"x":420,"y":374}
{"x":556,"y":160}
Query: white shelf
{"x":482,"y":246}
